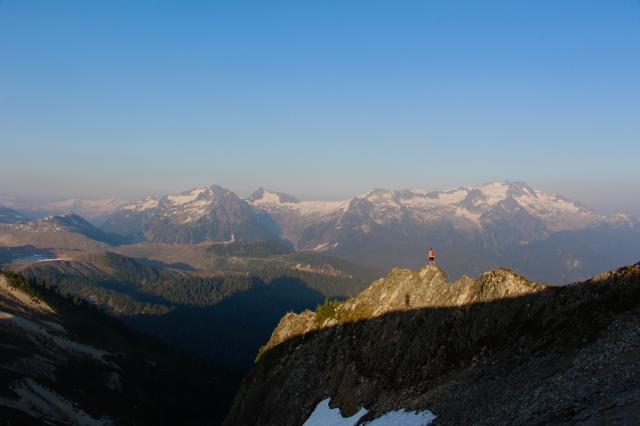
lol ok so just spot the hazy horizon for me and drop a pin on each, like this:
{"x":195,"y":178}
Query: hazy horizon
{"x":595,"y":195}
{"x":322,"y":100}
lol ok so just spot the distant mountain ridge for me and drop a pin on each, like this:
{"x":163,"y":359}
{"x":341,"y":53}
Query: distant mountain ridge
{"x":465,"y":205}
{"x":95,"y":211}
{"x":70,"y":232}
{"x":197,"y":215}
{"x":472,"y":228}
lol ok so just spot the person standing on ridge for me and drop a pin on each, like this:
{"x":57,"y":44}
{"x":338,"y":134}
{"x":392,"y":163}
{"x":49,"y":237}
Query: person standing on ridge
{"x":432,"y":256}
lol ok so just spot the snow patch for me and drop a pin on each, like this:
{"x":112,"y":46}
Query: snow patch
{"x":145,"y":204}
{"x":468,"y":215}
{"x":494,"y":192}
{"x":57,"y":259}
{"x":431,"y":200}
{"x":307,"y":208}
{"x":271,"y":202}
{"x":268,"y":198}
{"x":545,"y":202}
{"x":40,"y":334}
{"x":419,"y":191}
{"x":42,"y":403}
{"x":185,"y":197}
{"x":324,"y":415}
{"x":452,"y":196}
{"x":404,"y":418}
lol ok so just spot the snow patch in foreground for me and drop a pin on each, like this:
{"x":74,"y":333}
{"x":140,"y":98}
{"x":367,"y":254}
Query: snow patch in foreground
{"x":324,"y":415}
{"x":404,"y":418}
{"x":42,"y":403}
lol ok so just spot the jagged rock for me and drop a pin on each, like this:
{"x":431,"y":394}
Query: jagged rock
{"x":496,"y":350}
{"x":404,"y":289}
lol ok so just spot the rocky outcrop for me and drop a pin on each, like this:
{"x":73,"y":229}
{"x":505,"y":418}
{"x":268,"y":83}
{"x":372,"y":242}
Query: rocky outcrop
{"x":496,"y":350}
{"x":404,"y":290}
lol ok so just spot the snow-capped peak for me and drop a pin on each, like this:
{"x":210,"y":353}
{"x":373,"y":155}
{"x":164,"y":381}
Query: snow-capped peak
{"x":624,"y":219}
{"x":471,"y":203}
{"x":268,"y":198}
{"x":185,"y":197}
{"x":265,"y":197}
{"x":420,"y":191}
{"x":494,"y":192}
{"x":277,"y":202}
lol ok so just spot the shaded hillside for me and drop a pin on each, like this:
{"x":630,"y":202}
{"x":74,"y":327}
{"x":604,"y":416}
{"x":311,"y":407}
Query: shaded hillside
{"x":65,"y":362}
{"x":225,"y":316}
{"x":497,"y":350}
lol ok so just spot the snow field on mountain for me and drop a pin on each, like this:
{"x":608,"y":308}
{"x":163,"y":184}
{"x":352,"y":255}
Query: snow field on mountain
{"x":146,"y":203}
{"x":494,"y":192}
{"x":185,"y":198}
{"x":324,"y":415}
{"x":271,"y":200}
{"x":42,"y":403}
{"x":388,"y":205}
{"x":52,"y":334}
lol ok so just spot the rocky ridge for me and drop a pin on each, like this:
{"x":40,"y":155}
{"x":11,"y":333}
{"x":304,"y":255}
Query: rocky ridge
{"x":496,"y":350}
{"x":404,"y":290}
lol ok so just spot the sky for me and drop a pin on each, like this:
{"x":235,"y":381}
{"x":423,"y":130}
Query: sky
{"x":323,"y":99}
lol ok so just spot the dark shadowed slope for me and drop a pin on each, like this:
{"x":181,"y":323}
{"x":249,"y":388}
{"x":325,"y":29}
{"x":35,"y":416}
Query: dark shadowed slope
{"x":224,"y":316}
{"x":497,"y":350}
{"x":62,"y":361}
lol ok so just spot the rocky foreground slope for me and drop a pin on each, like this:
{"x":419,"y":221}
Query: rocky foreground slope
{"x":496,"y":350}
{"x":63,"y":362}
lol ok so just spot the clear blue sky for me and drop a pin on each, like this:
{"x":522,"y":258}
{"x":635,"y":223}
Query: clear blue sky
{"x":320,"y":98}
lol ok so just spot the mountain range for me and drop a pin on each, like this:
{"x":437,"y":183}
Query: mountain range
{"x":93,"y":210}
{"x":69,"y":232}
{"x":471,"y":228}
{"x":202,"y":214}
